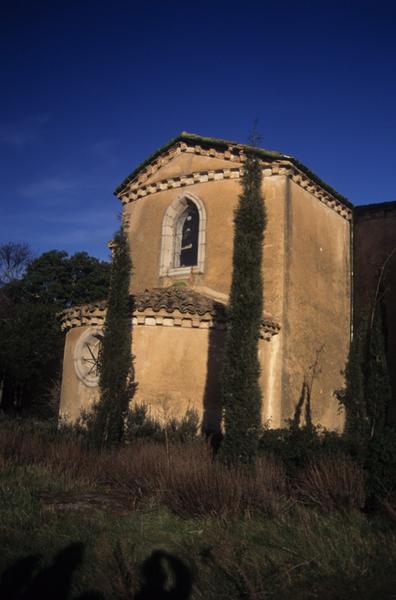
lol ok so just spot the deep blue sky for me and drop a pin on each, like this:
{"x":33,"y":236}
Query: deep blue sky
{"x":90,"y":88}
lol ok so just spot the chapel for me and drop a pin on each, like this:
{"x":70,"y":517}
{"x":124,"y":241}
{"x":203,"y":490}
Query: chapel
{"x":177,"y":210}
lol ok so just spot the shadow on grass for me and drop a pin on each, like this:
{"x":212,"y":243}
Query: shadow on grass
{"x":163,"y":577}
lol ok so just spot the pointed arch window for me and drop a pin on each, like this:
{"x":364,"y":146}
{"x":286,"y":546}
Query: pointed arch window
{"x":183,"y":237}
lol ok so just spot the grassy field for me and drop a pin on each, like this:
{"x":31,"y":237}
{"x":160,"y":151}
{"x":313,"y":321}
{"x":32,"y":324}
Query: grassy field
{"x":151,"y":521}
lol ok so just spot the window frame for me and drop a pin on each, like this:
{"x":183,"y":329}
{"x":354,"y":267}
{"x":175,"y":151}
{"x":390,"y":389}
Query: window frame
{"x":168,"y":237}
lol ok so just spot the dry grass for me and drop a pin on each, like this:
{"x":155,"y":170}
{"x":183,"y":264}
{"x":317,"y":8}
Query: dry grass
{"x":196,"y":486}
{"x":185,"y":478}
{"x":23,"y":446}
{"x":331,"y":483}
{"x":197,"y":514}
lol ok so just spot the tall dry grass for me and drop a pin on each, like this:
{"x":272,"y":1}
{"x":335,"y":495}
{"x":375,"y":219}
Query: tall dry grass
{"x":185,"y":478}
{"x":195,"y":485}
{"x":331,"y":483}
{"x":21,"y":445}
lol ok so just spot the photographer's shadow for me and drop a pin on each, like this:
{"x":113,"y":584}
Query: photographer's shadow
{"x":164,"y":577}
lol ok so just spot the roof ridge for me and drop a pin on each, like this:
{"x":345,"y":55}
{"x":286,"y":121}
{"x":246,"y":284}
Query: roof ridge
{"x":194,"y":137}
{"x":222,"y":143}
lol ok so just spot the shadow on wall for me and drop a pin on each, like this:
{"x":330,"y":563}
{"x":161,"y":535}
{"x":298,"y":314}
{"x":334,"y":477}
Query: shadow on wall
{"x":162,"y":577}
{"x":212,"y":409}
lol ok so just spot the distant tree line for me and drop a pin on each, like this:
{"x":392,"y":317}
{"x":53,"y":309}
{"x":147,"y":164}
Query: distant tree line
{"x":32,"y":293}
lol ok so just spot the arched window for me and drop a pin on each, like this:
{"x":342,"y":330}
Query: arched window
{"x":183,"y":237}
{"x":186,"y":237}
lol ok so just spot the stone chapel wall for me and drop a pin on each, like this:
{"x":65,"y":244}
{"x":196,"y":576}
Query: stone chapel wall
{"x":317,"y":294}
{"x":145,"y":216}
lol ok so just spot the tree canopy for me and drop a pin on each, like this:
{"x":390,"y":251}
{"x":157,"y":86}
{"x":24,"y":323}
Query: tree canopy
{"x":14,"y":258}
{"x":60,"y":280}
{"x":31,"y":342}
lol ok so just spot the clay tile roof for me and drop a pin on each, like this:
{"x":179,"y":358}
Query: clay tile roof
{"x":173,"y":298}
{"x":179,"y":298}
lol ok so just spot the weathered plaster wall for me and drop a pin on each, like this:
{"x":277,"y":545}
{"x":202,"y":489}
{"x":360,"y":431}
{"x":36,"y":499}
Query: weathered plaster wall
{"x":75,"y":396}
{"x":374,"y":242}
{"x":316,"y":314}
{"x":306,"y":288}
{"x":176,"y":369}
{"x":145,"y":216}
{"x":220,"y":199}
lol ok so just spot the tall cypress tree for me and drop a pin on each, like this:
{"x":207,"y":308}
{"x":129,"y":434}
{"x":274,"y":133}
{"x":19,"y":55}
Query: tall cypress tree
{"x":367,"y":393}
{"x":353,"y":396}
{"x":378,"y":387}
{"x":240,"y":381}
{"x":116,"y":374}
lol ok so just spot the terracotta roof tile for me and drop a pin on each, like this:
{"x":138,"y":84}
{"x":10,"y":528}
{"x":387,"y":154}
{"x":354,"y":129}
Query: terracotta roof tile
{"x":174,"y":298}
{"x":179,"y":298}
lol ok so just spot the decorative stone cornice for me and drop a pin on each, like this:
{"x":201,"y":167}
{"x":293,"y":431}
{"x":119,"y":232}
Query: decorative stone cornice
{"x":139,"y":188}
{"x":165,"y":307}
{"x":320,"y":193}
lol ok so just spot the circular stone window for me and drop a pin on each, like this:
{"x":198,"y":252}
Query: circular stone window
{"x":86,"y":356}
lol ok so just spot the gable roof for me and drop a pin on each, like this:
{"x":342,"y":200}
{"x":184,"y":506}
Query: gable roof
{"x":221,"y":144}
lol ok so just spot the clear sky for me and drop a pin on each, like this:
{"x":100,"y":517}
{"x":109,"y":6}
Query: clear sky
{"x":90,"y":88}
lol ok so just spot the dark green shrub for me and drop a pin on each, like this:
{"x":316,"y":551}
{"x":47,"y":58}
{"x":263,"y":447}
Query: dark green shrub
{"x":184,"y":430}
{"x":297,"y":446}
{"x":380,"y":463}
{"x":139,"y":424}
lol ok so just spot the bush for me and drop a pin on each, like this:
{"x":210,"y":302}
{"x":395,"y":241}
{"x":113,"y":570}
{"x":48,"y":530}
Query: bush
{"x":381,"y":463}
{"x":331,"y":483}
{"x":184,"y":430}
{"x":134,"y":471}
{"x":196,"y":486}
{"x":141,"y":425}
{"x":296,"y":446}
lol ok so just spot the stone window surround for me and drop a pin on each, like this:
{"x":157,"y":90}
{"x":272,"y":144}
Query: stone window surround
{"x":172,"y":213}
{"x":89,"y":335}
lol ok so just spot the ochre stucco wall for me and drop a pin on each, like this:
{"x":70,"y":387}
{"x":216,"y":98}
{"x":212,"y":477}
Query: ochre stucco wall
{"x":306,"y":272}
{"x":316,"y":314}
{"x":171,"y":370}
{"x":219,"y":198}
{"x":75,"y":396}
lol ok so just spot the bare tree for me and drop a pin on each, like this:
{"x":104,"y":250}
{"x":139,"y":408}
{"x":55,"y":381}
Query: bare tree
{"x":14,"y":258}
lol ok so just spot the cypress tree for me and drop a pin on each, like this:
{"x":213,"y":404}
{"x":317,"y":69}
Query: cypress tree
{"x":378,"y":388}
{"x":367,"y":393}
{"x":241,"y":393}
{"x":116,"y":374}
{"x":353,"y":396}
